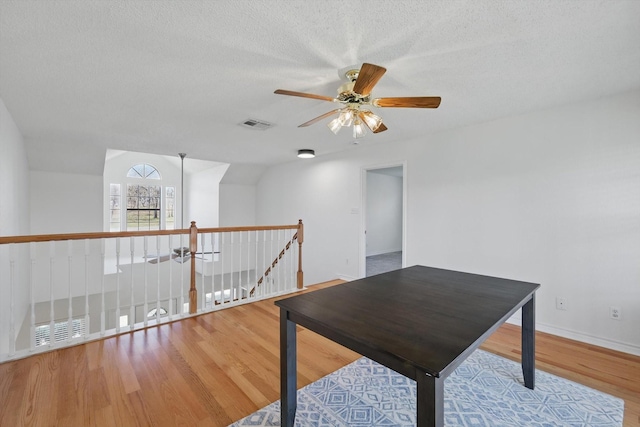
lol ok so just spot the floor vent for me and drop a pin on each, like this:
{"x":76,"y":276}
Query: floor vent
{"x":256,"y":124}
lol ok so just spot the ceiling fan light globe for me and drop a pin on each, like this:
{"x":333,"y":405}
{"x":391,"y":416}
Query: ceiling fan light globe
{"x":346,"y":117}
{"x":359,"y":129}
{"x":373,"y":121}
{"x":335,"y":125}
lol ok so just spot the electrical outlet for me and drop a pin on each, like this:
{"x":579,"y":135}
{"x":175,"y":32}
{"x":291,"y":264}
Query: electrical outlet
{"x":561,"y":303}
{"x":615,"y":313}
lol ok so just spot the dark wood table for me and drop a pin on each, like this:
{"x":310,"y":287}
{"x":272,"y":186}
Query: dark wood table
{"x":421,"y":322}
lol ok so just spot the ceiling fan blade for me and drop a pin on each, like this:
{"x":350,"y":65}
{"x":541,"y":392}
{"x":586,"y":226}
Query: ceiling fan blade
{"x":161,"y":258}
{"x":368,"y":76}
{"x":303,"y":95}
{"x":380,"y":128}
{"x":408,"y":102}
{"x":317,"y":119}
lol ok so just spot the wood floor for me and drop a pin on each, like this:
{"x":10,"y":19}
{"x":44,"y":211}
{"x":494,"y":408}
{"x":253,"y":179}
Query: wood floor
{"x":214,"y":369}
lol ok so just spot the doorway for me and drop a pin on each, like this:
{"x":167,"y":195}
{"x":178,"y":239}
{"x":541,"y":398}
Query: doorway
{"x":384,"y":206}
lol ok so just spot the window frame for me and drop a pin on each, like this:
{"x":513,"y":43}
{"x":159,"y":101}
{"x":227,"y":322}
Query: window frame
{"x":154,"y":178}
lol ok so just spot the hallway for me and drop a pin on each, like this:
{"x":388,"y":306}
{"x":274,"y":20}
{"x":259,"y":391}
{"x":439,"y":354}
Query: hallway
{"x":382,"y":263}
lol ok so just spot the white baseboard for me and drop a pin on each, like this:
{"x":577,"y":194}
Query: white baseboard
{"x":564,"y":333}
{"x":582,"y":337}
{"x":384,"y":251}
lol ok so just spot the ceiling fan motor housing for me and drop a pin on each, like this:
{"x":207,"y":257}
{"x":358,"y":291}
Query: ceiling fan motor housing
{"x":346,"y":95}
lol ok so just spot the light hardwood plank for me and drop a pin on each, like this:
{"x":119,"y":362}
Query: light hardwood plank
{"x":214,"y":369}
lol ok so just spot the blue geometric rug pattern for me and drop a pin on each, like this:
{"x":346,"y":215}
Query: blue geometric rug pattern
{"x":485,"y":390}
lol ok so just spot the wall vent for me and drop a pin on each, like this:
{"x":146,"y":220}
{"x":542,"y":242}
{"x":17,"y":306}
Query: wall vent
{"x":256,"y":124}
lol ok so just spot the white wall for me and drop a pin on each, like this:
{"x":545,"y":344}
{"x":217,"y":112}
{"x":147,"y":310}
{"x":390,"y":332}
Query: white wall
{"x":550,"y":197}
{"x":14,"y":219}
{"x":65,"y":203}
{"x":237,"y":205}
{"x":326,"y":195}
{"x":384,"y":213}
{"x":204,"y":198}
{"x":14,"y":177}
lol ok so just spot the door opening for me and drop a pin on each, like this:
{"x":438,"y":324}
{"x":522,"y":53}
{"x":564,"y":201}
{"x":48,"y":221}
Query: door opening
{"x":383,"y":202}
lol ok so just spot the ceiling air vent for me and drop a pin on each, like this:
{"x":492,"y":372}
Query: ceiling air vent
{"x":256,"y":124}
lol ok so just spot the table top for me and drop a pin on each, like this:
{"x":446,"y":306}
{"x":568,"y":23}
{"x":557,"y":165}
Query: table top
{"x":415,"y":317}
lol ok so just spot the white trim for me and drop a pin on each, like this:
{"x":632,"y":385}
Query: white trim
{"x":580,"y":336}
{"x":385,"y":251}
{"x":362,"y":246}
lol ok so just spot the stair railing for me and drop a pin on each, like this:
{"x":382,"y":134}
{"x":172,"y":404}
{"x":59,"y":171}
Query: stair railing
{"x":62,"y":289}
{"x":279,"y":257}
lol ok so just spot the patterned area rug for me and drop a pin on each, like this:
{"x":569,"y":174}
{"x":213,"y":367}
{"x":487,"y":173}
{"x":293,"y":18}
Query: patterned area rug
{"x":486,"y":390}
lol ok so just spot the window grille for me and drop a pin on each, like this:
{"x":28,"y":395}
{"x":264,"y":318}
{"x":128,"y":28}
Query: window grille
{"x":143,"y":171}
{"x":153,"y":312}
{"x":60,"y":331}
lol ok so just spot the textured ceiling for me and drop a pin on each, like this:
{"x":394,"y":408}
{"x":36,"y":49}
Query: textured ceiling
{"x":164,"y":77}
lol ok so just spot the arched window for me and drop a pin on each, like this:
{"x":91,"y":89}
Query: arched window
{"x":143,"y":170}
{"x":149,"y":205}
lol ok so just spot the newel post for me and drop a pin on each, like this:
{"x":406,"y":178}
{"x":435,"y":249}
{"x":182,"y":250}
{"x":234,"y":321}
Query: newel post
{"x":193,"y":247}
{"x":300,"y":240}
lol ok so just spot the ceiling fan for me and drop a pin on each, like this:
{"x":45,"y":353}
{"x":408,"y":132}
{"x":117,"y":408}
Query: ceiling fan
{"x":355,"y":96}
{"x":180,"y":255}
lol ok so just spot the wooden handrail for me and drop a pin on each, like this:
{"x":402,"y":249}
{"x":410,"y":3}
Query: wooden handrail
{"x":111,"y":234}
{"x":193,"y":232}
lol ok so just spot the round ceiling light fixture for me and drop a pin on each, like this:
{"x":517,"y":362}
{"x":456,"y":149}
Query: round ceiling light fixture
{"x":306,"y":153}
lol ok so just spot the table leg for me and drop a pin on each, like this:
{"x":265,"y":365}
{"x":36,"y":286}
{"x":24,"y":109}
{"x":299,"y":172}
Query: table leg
{"x":288,"y":374}
{"x":529,"y":342}
{"x":430,"y":400}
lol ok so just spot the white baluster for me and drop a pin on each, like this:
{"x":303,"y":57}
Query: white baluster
{"x":278,"y":250}
{"x":171,"y":306}
{"x":231,"y":268}
{"x":263,"y":269}
{"x":145,"y":241}
{"x":203,"y":294}
{"x":87,"y":251}
{"x":239,"y":284}
{"x":103,"y":313}
{"x":255,"y":268}
{"x":158,"y":306}
{"x":12,"y":281}
{"x":214,"y":239}
{"x":289,"y":253}
{"x":182,"y":290}
{"x":32,"y":264}
{"x":272,"y":275}
{"x":212,"y":250}
{"x":285,"y":266}
{"x":247,"y":280}
{"x":118,"y":273}
{"x":70,"y":300}
{"x":132,"y":308}
{"x":52,"y":253}
{"x":223,"y":252}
